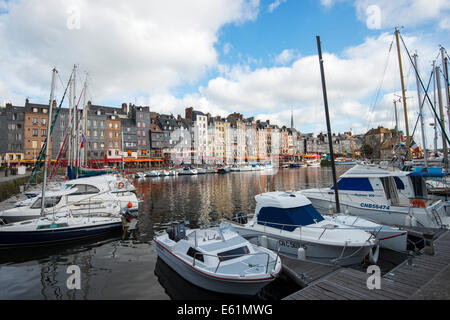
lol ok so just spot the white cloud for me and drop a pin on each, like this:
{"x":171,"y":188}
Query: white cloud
{"x":285,"y":57}
{"x":405,"y":13}
{"x":275,"y":5}
{"x":227,"y":47}
{"x":127,"y":47}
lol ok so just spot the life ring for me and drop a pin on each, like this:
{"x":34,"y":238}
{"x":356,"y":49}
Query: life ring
{"x":121,"y":185}
{"x":417,"y":203}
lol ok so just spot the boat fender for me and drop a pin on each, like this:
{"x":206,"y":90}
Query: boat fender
{"x":263,"y":241}
{"x":373,"y":256}
{"x":347,"y":213}
{"x":413,"y":222}
{"x":301,"y":253}
{"x":331,"y":209}
{"x":408,"y":221}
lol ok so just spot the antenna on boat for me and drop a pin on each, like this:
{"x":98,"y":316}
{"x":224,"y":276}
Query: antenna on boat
{"x":330,"y":136}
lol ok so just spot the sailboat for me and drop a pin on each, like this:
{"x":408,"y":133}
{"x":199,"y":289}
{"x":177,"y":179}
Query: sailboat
{"x":62,"y":225}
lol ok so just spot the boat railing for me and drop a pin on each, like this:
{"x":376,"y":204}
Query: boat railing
{"x":81,"y":202}
{"x":300,"y":227}
{"x":229,"y":257}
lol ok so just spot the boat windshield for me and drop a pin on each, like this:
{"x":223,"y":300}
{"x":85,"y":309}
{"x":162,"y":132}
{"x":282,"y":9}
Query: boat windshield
{"x":50,"y":202}
{"x":290,"y":218}
{"x":233,"y":254}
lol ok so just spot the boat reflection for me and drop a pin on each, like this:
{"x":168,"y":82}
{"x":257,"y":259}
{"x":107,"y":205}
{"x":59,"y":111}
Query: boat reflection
{"x":177,"y":288}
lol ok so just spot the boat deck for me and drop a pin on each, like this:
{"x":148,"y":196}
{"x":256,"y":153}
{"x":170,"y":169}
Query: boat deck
{"x":421,"y":277}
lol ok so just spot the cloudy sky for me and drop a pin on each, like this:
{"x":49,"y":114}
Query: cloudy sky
{"x":257,"y":57}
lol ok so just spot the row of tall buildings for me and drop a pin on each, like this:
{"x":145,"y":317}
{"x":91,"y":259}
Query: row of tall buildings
{"x":137,"y":134}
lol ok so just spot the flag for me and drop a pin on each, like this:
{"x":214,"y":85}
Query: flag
{"x":415,"y":147}
{"x":83,"y":141}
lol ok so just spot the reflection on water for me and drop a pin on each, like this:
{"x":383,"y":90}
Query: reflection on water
{"x":125,"y":266}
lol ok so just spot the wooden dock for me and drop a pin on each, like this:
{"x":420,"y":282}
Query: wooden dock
{"x":421,"y":277}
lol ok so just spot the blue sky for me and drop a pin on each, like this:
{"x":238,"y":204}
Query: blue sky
{"x":221,"y":56}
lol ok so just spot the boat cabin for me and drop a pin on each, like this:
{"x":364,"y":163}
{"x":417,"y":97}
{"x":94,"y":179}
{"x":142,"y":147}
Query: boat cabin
{"x":285,"y":210}
{"x":397,"y":188}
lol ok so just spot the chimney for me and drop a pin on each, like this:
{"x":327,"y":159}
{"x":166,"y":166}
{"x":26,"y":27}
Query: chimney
{"x":54,"y":104}
{"x":188,"y":113}
{"x":124,"y":108}
{"x":179,"y":118}
{"x":27,"y":101}
{"x":268,"y":122}
{"x":9,"y":105}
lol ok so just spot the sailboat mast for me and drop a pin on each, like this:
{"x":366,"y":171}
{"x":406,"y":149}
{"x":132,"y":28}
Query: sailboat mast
{"x":434,"y":115}
{"x":330,"y":136}
{"x":441,"y":111}
{"x":69,"y":157}
{"x":75,"y":124}
{"x":408,"y":138}
{"x":422,"y":122}
{"x":47,"y":147}
{"x":445,"y":72}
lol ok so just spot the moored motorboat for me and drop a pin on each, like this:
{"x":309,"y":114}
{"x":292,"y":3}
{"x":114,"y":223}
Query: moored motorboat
{"x":287,"y":221}
{"x":218,"y":259}
{"x":389,"y":197}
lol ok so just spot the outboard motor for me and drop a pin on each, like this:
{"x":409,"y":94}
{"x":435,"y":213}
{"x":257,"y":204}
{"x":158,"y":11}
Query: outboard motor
{"x":240,"y":218}
{"x":176,"y":232}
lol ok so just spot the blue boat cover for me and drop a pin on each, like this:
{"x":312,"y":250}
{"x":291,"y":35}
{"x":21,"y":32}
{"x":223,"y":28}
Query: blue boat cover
{"x":427,"y":172}
{"x":354,"y":184}
{"x":289,"y":219}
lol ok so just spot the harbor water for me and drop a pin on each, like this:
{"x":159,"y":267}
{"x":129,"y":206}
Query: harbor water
{"x":125,"y":265}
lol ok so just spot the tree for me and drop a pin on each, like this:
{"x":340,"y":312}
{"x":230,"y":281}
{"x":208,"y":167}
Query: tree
{"x":366,"y":150}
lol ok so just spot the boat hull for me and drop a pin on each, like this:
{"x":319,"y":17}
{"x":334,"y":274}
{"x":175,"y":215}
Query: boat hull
{"x":317,"y":252}
{"x":209,"y":282}
{"x":390,"y":216}
{"x":54,"y":236}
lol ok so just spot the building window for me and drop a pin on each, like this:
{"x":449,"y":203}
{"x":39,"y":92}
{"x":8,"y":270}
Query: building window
{"x":35,"y":132}
{"x":43,"y":132}
{"x":35,"y":120}
{"x":43,"y":121}
{"x":110,"y":125}
{"x":35,"y":110}
{"x":116,"y":126}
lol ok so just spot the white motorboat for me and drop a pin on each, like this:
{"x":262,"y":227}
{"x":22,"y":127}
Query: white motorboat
{"x":313,"y":163}
{"x":288,"y":222}
{"x":389,"y":197}
{"x":388,"y":237}
{"x":246,"y":168}
{"x":235,"y":168}
{"x":201,"y":170}
{"x":94,"y":193}
{"x":152,"y":174}
{"x":218,"y":259}
{"x":187,"y":171}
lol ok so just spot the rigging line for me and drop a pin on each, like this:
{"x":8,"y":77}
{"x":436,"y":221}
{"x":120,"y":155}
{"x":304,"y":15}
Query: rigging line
{"x":371,"y":110}
{"x":44,"y":146}
{"x":422,"y":103}
{"x":426,"y":93}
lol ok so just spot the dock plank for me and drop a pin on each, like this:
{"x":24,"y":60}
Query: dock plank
{"x":422,"y":276}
